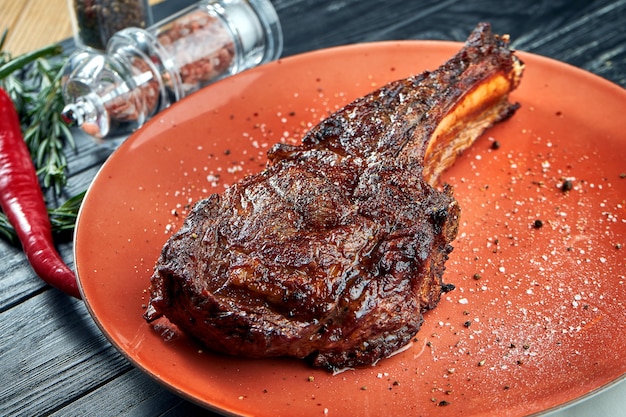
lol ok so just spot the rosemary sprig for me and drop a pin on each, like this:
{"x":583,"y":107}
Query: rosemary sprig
{"x":46,"y":134}
{"x":63,"y":218}
{"x":34,"y":83}
{"x":33,"y":80}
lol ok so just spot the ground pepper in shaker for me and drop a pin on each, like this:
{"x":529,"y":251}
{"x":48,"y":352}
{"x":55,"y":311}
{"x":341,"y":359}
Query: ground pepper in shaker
{"x":143,"y":71}
{"x":95,"y":21}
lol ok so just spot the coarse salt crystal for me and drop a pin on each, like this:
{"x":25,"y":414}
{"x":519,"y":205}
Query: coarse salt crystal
{"x":463,"y":301}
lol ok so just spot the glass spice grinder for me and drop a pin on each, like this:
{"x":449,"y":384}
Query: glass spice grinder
{"x":143,"y":71}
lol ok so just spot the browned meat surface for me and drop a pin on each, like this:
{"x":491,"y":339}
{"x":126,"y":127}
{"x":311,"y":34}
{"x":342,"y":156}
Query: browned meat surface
{"x":336,"y":249}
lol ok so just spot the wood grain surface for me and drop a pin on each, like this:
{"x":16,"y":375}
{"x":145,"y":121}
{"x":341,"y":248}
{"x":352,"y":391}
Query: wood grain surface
{"x":53,"y":358}
{"x":34,"y":23}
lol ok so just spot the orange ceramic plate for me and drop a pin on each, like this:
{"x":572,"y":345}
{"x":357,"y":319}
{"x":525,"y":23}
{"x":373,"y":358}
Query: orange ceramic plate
{"x":537,"y":318}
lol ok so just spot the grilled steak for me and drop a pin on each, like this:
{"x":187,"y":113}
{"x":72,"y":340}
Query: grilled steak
{"x":335,"y":250}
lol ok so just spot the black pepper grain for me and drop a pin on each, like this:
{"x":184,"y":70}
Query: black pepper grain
{"x":495,"y":145}
{"x":537,"y":224}
{"x":567,"y":186}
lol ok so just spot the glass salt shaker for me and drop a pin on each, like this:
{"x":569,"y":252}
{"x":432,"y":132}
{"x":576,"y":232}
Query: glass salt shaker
{"x":95,"y":21}
{"x":143,"y":71}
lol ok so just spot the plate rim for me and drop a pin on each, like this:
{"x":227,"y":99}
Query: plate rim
{"x":525,"y":56}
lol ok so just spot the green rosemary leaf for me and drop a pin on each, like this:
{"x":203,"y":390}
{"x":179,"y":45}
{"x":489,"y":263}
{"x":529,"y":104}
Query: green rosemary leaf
{"x":6,"y":230}
{"x":64,"y":217}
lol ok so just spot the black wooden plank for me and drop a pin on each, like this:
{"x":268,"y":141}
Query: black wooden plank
{"x":136,"y":394}
{"x":561,"y":29}
{"x":52,"y":352}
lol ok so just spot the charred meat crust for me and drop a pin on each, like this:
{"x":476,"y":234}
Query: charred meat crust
{"x":336,"y":249}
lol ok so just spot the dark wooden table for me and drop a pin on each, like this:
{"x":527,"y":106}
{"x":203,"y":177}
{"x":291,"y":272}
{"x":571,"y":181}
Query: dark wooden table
{"x":53,"y":358}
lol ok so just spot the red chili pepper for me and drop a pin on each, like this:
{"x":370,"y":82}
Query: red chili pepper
{"x":23,"y":203}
